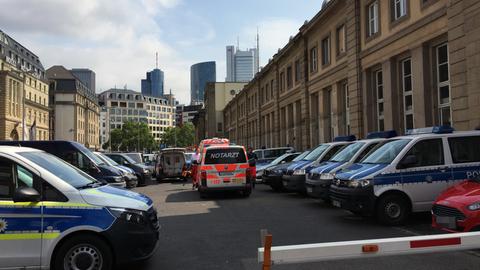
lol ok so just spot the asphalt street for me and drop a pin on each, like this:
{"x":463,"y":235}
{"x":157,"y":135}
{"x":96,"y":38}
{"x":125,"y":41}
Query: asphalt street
{"x":223,"y":232}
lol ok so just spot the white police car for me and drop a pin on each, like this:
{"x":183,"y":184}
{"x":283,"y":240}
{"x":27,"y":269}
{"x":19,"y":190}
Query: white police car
{"x":407,"y":173}
{"x":55,"y":216}
{"x":319,"y":179}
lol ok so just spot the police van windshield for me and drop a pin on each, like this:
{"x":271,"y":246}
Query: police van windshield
{"x":61,"y":169}
{"x":316,"y":152}
{"x":279,"y":159}
{"x":225,"y":156}
{"x":107,"y":160}
{"x":386,"y":153}
{"x":347,"y":153}
{"x":301,"y":156}
{"x":89,"y":154}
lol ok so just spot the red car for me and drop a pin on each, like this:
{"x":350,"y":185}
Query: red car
{"x":457,"y":209}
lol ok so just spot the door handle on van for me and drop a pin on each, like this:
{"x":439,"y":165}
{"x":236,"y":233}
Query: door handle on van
{"x":443,"y":169}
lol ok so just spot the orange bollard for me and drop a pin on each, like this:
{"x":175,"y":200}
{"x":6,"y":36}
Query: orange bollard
{"x":267,"y":262}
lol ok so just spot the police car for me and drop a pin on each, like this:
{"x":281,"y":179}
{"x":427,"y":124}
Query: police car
{"x":225,"y":168}
{"x":294,"y":178}
{"x":405,"y":174}
{"x":319,"y":179}
{"x":55,"y":216}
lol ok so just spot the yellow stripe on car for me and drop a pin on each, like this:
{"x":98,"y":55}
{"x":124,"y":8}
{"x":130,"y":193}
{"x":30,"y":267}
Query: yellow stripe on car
{"x":28,"y":236}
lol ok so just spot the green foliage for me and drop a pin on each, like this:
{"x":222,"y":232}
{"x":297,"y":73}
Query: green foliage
{"x":133,"y":136}
{"x":179,"y":136}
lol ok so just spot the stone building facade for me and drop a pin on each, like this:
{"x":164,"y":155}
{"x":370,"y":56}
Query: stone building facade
{"x":365,"y":65}
{"x":24,"y":111}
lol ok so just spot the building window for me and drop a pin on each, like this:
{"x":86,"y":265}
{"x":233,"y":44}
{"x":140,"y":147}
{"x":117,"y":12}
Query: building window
{"x":341,"y":40}
{"x":407,"y":93}
{"x":373,"y":19}
{"x":282,"y":81}
{"x":313,"y":59}
{"x":399,"y":9}
{"x":379,"y":100}
{"x":443,"y":85}
{"x":326,"y":51}
{"x":347,"y":107}
{"x":219,"y":127}
{"x":298,"y":71}
{"x":271,"y":89}
{"x":289,"y":77}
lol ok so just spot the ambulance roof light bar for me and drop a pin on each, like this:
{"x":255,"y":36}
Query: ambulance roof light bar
{"x":349,"y":138}
{"x":382,"y":134}
{"x":431,"y":130}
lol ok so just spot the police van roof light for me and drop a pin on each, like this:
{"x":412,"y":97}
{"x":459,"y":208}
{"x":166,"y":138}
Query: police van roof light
{"x":435,"y":130}
{"x":348,"y":138}
{"x":382,"y":134}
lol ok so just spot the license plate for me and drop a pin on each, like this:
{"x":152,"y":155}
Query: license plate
{"x":447,"y":222}
{"x":336,"y":204}
{"x":225,"y":173}
{"x":309,"y":189}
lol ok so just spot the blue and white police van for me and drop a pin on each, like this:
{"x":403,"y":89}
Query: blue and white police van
{"x":294,"y":178}
{"x":318,"y":181}
{"x":55,"y":216}
{"x":405,"y":174}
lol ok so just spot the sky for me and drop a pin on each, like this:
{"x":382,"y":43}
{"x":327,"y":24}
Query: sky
{"x":118,"y":39}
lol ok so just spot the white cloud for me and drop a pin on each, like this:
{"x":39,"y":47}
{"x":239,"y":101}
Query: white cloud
{"x":274,"y":34}
{"x":115,"y":38}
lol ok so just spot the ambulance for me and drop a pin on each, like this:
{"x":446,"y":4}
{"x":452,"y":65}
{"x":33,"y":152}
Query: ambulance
{"x":55,"y":216}
{"x":225,"y":168}
{"x":406,"y":174}
{"x":319,"y":179}
{"x":201,"y":150}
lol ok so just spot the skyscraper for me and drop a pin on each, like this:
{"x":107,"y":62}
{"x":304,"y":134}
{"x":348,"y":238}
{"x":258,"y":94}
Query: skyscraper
{"x":86,"y":76}
{"x":200,"y":75}
{"x":242,"y":65}
{"x":153,"y":84}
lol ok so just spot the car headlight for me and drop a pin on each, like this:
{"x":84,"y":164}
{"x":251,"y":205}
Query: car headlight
{"x":327,"y":176}
{"x":474,"y":206}
{"x":129,"y":215}
{"x":299,"y":172}
{"x":278,"y":172}
{"x":359,"y":183}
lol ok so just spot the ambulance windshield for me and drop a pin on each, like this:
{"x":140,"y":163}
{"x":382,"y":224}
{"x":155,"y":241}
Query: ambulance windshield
{"x":225,"y":156}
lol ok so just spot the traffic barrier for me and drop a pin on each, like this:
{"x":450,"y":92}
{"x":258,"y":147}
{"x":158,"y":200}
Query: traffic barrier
{"x":268,"y":255}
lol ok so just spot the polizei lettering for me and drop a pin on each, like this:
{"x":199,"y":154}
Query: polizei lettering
{"x":224,"y":155}
{"x":473,"y":174}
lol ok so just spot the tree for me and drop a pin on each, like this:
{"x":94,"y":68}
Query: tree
{"x":133,"y":136}
{"x":179,"y":136}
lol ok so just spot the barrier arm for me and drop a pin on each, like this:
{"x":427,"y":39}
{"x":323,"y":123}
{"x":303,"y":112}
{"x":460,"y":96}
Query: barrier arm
{"x":372,"y":248}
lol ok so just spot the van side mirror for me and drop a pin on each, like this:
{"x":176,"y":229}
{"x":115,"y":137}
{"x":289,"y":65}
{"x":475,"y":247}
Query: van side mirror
{"x":26,"y":194}
{"x":252,"y":163}
{"x":408,"y":162}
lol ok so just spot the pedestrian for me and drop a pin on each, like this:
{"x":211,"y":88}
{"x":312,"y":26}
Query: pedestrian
{"x":252,"y":156}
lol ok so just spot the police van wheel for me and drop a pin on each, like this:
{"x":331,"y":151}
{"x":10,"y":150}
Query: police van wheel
{"x":392,"y":209}
{"x":83,"y":252}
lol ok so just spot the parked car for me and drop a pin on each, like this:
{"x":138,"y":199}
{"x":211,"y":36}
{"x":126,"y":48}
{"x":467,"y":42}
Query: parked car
{"x":137,"y":157}
{"x":273,"y":176}
{"x":457,"y":209}
{"x":59,"y":217}
{"x":150,"y":160}
{"x":285,"y":158}
{"x":171,"y":163}
{"x":128,"y":174}
{"x":265,"y":156}
{"x":79,"y":156}
{"x":319,"y":179}
{"x":294,"y":178}
{"x":143,"y":173}
{"x":225,"y":168}
{"x":407,"y":173}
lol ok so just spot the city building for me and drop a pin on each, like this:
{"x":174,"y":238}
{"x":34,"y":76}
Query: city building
{"x":186,"y":113}
{"x":359,"y":66}
{"x":75,"y":110}
{"x":200,"y":75}
{"x":217,"y":96}
{"x":153,"y":85}
{"x":87,"y":77}
{"x":122,"y":105}
{"x":24,"y":111}
{"x":241,"y":65}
